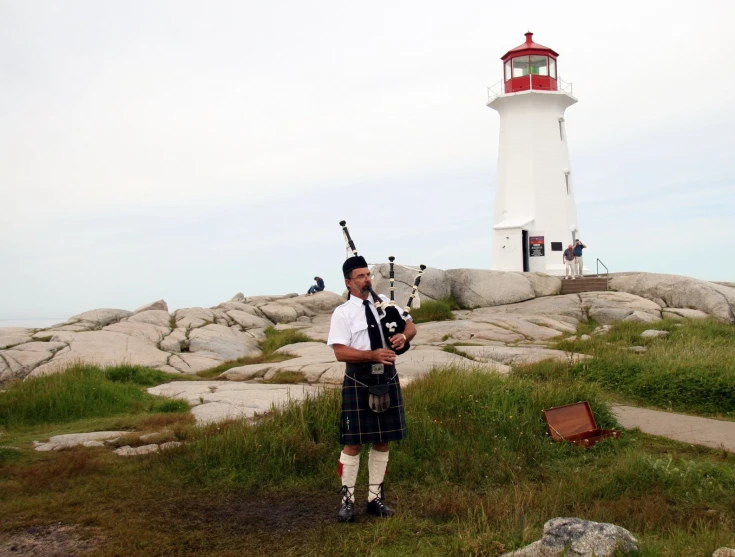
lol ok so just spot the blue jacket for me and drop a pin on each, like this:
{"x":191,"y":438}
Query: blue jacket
{"x":578,"y":249}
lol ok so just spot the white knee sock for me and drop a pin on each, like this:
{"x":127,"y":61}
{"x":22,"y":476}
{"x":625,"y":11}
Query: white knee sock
{"x":377,"y":463}
{"x":348,"y":468}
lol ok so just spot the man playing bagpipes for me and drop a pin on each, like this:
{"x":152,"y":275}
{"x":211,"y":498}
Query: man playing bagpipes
{"x":372,"y":404}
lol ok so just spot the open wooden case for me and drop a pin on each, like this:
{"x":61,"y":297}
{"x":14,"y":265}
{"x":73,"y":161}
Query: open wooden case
{"x":576,"y":424}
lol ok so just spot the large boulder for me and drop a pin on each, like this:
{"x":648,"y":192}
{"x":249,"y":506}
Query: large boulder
{"x":434,"y":285}
{"x":321,"y":302}
{"x":247,"y":320}
{"x":99,"y":318}
{"x":159,"y":305}
{"x":191,"y":318}
{"x":105,"y":348}
{"x":11,"y":336}
{"x":574,"y":537}
{"x":475,"y":288}
{"x":566,"y":308}
{"x":611,"y":307}
{"x":222,"y":343}
{"x":676,"y":291}
{"x":543,"y":284}
{"x":20,"y":360}
{"x":158,"y":317}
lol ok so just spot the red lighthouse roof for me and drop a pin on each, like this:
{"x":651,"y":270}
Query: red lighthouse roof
{"x":529,"y":47}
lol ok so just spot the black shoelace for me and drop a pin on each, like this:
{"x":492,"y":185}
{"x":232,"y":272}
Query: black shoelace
{"x":346,"y":497}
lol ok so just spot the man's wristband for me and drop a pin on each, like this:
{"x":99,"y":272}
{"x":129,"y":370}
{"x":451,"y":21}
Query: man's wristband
{"x":404,"y":337}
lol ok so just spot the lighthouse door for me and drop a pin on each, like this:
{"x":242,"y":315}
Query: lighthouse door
{"x":526,"y":265}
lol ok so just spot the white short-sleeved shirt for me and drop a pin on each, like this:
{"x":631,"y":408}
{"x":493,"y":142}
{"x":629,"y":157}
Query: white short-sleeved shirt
{"x":349,"y":325}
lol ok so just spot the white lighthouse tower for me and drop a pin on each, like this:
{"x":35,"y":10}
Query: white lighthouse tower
{"x":535,"y":211}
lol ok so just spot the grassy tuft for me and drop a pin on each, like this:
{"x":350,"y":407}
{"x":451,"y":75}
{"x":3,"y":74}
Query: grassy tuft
{"x":286,"y":378}
{"x":276,"y":339}
{"x":82,"y":391}
{"x":430,"y":310}
{"x":246,"y":361}
{"x":137,"y":375}
{"x":691,"y":370}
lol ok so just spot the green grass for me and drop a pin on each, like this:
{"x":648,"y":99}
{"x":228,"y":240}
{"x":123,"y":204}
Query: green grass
{"x":690,"y":370}
{"x":286,"y":378}
{"x":477,"y":474}
{"x":82,"y":391}
{"x":274,"y":339}
{"x":430,"y":310}
{"x":452,"y":349}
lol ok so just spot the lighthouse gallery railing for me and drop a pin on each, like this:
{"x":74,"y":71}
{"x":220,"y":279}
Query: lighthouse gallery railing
{"x":498,"y":88}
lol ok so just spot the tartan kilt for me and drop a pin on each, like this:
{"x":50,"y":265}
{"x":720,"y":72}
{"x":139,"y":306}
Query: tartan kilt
{"x":358,"y":424}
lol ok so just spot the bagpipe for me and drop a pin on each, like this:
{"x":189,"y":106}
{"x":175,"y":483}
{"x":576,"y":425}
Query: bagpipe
{"x":392,"y":319}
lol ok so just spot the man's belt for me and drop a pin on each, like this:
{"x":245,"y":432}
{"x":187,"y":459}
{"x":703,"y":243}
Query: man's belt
{"x":368,"y":369}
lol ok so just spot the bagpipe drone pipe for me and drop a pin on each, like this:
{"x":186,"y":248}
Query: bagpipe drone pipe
{"x":392,"y":319}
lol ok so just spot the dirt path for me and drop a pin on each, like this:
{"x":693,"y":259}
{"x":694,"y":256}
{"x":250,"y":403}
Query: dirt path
{"x":717,"y":434}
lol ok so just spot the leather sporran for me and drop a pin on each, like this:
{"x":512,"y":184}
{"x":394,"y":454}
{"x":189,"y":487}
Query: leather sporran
{"x":379,"y":398}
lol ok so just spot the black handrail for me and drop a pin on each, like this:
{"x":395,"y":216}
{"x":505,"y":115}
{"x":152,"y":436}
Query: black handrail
{"x":598,"y":267}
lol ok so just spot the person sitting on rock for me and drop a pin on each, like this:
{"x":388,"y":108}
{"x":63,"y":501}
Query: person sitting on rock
{"x":570,"y":262}
{"x":318,"y":287}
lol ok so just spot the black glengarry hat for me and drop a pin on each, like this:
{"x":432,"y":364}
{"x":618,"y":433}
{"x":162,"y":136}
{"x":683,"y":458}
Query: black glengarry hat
{"x":352,"y":263}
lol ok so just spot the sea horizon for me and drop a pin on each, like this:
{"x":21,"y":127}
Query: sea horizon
{"x":32,"y":322}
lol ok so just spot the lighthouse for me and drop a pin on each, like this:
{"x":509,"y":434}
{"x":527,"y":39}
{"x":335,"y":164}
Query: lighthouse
{"x":535,"y":212}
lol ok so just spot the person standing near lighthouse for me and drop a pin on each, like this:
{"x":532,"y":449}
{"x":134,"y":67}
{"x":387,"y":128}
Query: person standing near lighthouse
{"x":578,"y":247}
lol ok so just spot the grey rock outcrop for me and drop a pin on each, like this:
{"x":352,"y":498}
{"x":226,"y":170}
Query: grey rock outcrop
{"x":215,"y":401}
{"x":222,"y":343}
{"x":473,"y":288}
{"x":611,"y":307}
{"x":574,"y":537}
{"x":683,"y":313}
{"x":69,"y":440}
{"x":435,"y":283}
{"x":680,"y":292}
{"x":13,"y":336}
{"x":158,"y":305}
{"x":724,"y":552}
{"x":157,"y":317}
{"x":517,"y":309}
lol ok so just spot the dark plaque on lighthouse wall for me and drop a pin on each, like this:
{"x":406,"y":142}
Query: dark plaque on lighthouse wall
{"x":536,"y":246}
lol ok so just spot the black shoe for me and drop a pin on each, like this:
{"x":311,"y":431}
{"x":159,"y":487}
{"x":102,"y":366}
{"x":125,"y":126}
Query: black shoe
{"x":377,"y":507}
{"x":347,"y":511}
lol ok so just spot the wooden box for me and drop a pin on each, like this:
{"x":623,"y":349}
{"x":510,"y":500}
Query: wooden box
{"x":576,"y":424}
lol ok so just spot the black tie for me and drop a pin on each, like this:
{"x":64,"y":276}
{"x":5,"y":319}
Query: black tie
{"x":375,"y":340}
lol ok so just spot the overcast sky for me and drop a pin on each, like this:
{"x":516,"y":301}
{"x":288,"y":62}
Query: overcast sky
{"x":192,"y":150}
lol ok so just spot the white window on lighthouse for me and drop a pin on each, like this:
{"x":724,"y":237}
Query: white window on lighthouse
{"x":561,"y":129}
{"x":566,"y":180}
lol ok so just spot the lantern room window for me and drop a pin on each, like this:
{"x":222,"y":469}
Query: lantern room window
{"x":539,"y":65}
{"x":508,"y":74}
{"x":552,"y":68}
{"x":520,"y":66}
